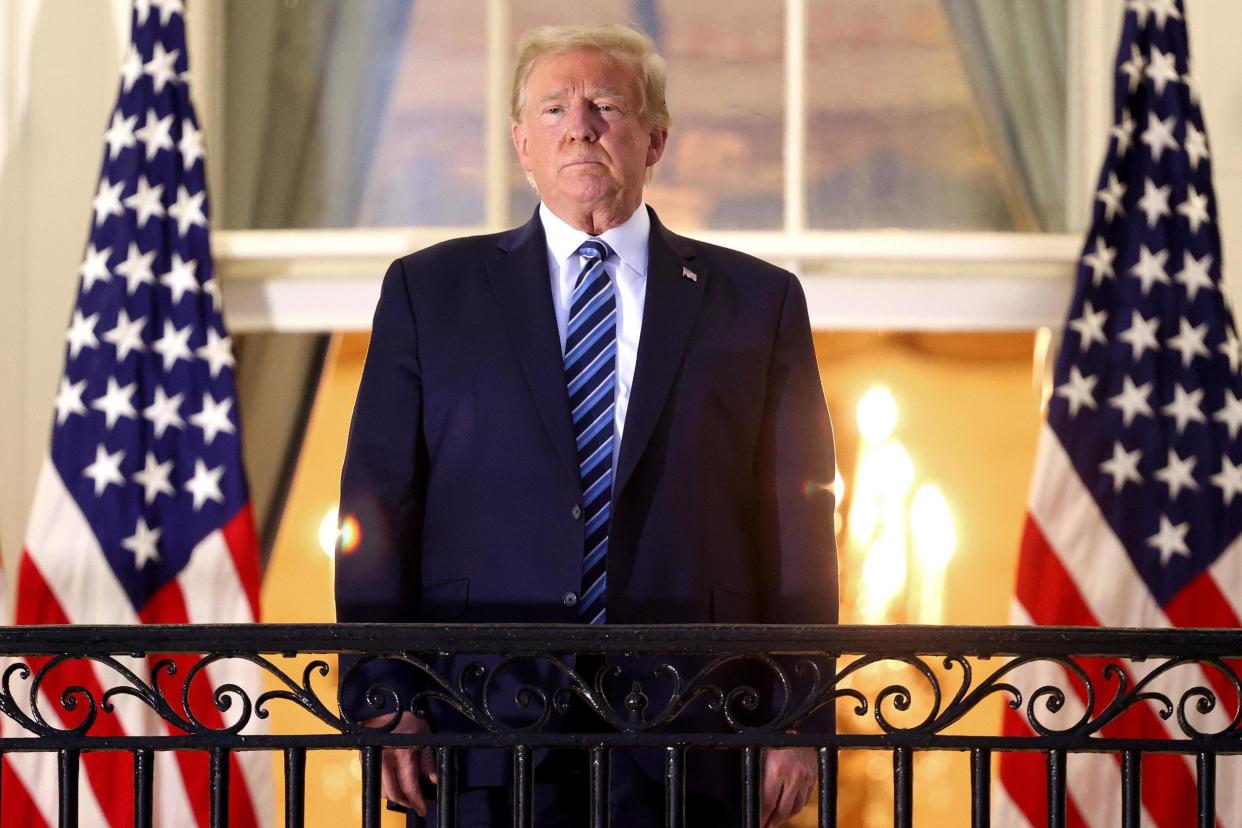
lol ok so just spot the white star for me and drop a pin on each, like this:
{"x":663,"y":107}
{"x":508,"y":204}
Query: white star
{"x":164,"y":411}
{"x":161,"y":67}
{"x":191,"y":144}
{"x":174,"y":344}
{"x":1194,"y":274}
{"x":1184,"y":409}
{"x":1178,"y":474}
{"x":94,"y":267}
{"x":120,"y":134}
{"x":1231,"y":348}
{"x":126,"y":337}
{"x":210,"y":288}
{"x":1133,"y":68}
{"x":69,"y":399}
{"x":181,"y":278}
{"x":1132,"y":401}
{"x":1163,"y":10}
{"x":131,"y":70}
{"x":1090,"y":326}
{"x":214,"y":418}
{"x":105,"y":470}
{"x":218,"y":352}
{"x":188,"y":211}
{"x":115,"y":402}
{"x":168,"y":8}
{"x":1170,"y":540}
{"x":1078,"y":391}
{"x":1111,"y":195}
{"x":1123,"y":466}
{"x":1155,"y":201}
{"x":1196,"y":146}
{"x":1159,"y":134}
{"x":205,"y":484}
{"x":1230,"y":413}
{"x":1124,"y":133}
{"x":144,"y":543}
{"x":143,"y":8}
{"x":154,"y":478}
{"x":1189,"y":341}
{"x":108,"y":200}
{"x":1150,"y":268}
{"x":1100,"y":261}
{"x":156,"y":134}
{"x":81,"y":333}
{"x":1161,"y":69}
{"x":1228,"y":479}
{"x":1139,"y":7}
{"x":136,"y":268}
{"x":1194,"y":208}
{"x":1141,"y":335}
{"x":147,"y":201}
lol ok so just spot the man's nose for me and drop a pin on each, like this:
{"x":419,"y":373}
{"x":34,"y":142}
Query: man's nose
{"x":581,"y":123}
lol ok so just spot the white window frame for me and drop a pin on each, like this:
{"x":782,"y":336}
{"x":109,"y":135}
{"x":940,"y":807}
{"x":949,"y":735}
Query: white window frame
{"x":328,"y":280}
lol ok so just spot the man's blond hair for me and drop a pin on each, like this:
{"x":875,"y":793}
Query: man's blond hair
{"x":612,"y":39}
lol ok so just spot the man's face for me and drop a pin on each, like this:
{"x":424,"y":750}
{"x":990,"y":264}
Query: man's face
{"x":581,"y":135}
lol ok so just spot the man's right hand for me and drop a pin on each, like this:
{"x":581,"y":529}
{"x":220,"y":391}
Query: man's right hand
{"x":403,"y":767}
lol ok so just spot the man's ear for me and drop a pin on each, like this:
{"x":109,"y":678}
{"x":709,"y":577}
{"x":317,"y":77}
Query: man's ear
{"x":657,"y":141}
{"x":518,"y":134}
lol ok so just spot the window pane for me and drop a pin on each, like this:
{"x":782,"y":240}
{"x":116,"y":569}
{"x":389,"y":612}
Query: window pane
{"x":345,"y":114}
{"x":722,"y":169}
{"x":936,"y":114}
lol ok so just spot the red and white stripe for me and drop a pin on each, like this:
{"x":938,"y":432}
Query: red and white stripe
{"x":65,"y":579}
{"x":1074,"y":571}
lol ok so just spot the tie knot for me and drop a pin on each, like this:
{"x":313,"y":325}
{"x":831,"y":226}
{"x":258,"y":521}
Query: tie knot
{"x":595,"y":249}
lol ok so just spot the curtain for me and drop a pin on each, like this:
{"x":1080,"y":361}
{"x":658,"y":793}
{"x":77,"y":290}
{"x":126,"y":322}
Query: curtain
{"x":1014,"y":56}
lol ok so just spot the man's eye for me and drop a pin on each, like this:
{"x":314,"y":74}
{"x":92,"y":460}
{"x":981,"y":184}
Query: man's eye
{"x":552,"y":110}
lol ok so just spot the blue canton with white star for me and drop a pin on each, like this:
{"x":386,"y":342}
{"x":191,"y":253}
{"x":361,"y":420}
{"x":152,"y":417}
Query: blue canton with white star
{"x":146,"y":431}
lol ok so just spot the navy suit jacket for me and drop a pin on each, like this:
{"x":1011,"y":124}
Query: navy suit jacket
{"x":462,"y":473}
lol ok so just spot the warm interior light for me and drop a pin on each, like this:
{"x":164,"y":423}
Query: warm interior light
{"x":877,"y":414}
{"x":931,"y":521}
{"x":328,"y":531}
{"x":883,"y":576}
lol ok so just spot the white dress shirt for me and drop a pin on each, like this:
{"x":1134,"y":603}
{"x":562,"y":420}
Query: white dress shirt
{"x":628,"y":270}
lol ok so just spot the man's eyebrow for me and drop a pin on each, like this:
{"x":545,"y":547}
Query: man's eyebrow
{"x":595,"y":92}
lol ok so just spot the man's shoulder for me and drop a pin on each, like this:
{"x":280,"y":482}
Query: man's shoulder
{"x":457,"y":251}
{"x":727,"y":263}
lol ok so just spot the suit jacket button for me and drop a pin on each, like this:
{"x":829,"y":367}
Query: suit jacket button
{"x":576,"y":511}
{"x":570,"y":599}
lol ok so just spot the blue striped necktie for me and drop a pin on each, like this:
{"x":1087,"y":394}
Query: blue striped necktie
{"x":591,"y":375}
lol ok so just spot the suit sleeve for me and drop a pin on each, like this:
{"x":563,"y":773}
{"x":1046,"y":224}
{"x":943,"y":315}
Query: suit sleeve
{"x":383,"y":487}
{"x":798,"y":575}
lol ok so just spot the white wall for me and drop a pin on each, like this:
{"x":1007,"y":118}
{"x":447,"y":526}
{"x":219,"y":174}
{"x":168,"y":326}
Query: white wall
{"x":59,"y":63}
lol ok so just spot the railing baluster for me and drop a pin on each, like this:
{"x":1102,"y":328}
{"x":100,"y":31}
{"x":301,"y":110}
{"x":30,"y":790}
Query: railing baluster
{"x":674,"y":787}
{"x":599,"y":787}
{"x":827,"y":787}
{"x":295,"y":787}
{"x":750,"y":786}
{"x":903,"y":787}
{"x":446,"y":787}
{"x":1056,"y":789}
{"x":980,"y":788}
{"x":219,"y":781}
{"x":1131,"y":788}
{"x":144,"y":770}
{"x":371,"y":767}
{"x":67,"y":762}
{"x":523,"y":787}
{"x":1207,"y":789}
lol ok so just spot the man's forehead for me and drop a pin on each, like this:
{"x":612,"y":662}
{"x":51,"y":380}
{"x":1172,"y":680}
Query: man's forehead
{"x":584,"y":70}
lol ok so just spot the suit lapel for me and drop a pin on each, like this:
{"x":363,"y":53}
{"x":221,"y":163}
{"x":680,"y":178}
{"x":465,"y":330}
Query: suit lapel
{"x":674,"y":288}
{"x":522,"y":285}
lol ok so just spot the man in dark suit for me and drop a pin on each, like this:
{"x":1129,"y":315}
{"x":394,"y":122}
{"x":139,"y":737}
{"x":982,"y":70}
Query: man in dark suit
{"x":589,"y":418}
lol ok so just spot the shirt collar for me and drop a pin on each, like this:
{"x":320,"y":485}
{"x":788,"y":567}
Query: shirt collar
{"x":628,"y":240}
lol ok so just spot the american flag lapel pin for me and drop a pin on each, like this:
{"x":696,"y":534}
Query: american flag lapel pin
{"x":689,"y":274}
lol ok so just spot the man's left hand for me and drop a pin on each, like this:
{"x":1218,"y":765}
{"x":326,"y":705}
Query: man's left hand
{"x":788,"y":784}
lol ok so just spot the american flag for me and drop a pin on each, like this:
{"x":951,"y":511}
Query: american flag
{"x":141,"y":514}
{"x":1136,"y":501}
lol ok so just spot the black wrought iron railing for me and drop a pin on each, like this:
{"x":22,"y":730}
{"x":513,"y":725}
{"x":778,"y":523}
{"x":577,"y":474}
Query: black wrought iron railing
{"x":678,"y":689}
